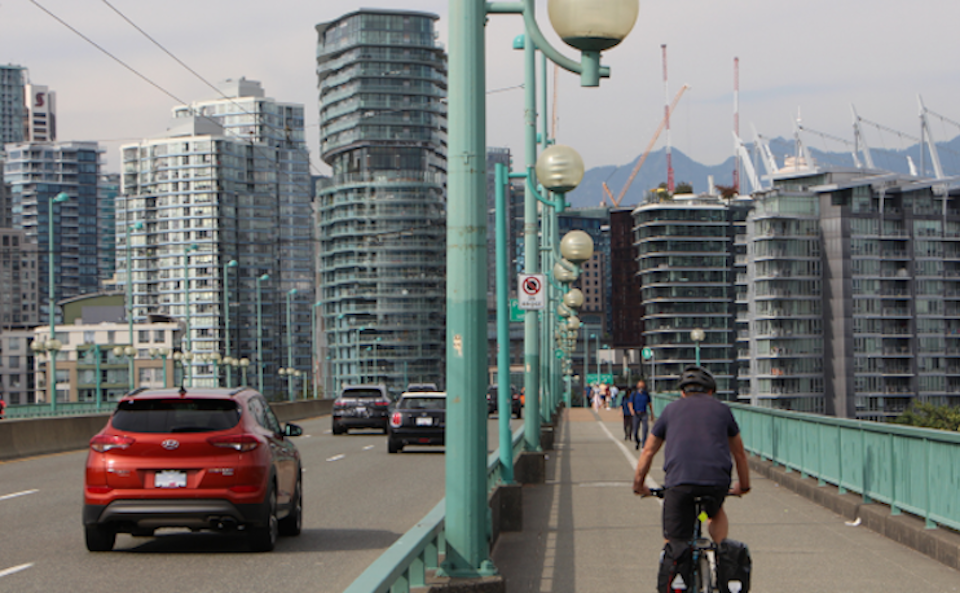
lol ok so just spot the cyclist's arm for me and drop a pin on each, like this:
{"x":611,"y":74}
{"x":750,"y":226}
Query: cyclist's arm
{"x":643,"y":465}
{"x":742,"y":486}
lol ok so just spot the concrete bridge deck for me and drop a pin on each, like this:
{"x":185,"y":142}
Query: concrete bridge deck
{"x":585,"y":530}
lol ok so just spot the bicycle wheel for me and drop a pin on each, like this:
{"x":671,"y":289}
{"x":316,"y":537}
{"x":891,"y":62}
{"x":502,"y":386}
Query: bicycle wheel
{"x":704,"y":576}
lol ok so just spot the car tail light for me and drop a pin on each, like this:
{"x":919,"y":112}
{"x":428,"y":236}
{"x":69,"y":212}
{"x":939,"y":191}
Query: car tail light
{"x":381,"y":403}
{"x":396,"y":419}
{"x":238,"y":442}
{"x":244,"y":489}
{"x":105,"y":442}
{"x":99,"y":489}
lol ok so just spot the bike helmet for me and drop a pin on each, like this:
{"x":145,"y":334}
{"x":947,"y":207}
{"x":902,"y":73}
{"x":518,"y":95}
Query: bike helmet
{"x":697,"y":376}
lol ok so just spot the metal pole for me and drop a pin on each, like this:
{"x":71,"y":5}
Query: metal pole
{"x":468,"y":552}
{"x":187,"y":368}
{"x":503,"y":327}
{"x":598,"y":357}
{"x":260,"y":333}
{"x":531,"y":253}
{"x":163,"y":357}
{"x":586,"y":367}
{"x":314,"y":374}
{"x":290,"y":392}
{"x":51,"y":296}
{"x":226,"y":316}
{"x":129,"y":283}
{"x":96,"y":365}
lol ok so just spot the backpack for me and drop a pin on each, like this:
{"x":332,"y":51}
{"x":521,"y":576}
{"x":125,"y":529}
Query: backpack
{"x":733,"y":565}
{"x":676,"y":568}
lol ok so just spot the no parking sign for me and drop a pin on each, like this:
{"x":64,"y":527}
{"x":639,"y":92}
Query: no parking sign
{"x":530,"y":292}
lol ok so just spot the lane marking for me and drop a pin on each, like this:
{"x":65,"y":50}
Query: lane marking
{"x":336,"y":457}
{"x":306,"y":436}
{"x":650,"y":482}
{"x":327,"y":432}
{"x":368,"y":447}
{"x":14,"y":569}
{"x":16,"y":494}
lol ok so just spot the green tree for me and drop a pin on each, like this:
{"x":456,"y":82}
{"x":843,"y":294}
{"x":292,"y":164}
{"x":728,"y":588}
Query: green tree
{"x":926,"y":415}
{"x":684,"y":187}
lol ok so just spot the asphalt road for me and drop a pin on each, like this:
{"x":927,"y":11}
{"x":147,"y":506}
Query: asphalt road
{"x":358,"y":500}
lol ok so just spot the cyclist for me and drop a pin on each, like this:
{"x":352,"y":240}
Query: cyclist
{"x":700,"y":435}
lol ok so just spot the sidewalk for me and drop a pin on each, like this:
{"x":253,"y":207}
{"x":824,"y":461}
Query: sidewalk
{"x":585,"y":530}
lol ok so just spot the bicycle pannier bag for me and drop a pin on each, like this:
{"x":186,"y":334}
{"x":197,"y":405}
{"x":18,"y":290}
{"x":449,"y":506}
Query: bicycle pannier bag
{"x":733,"y":567}
{"x":676,"y":568}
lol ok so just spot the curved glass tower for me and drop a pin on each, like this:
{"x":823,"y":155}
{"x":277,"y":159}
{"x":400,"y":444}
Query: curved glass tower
{"x":382,"y":80}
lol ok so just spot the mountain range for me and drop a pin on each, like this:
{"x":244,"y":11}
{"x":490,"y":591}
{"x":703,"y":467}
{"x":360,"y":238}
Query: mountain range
{"x":654,"y":171}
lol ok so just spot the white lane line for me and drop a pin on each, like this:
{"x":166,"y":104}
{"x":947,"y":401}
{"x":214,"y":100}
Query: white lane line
{"x":14,"y":569}
{"x":327,"y":432}
{"x":16,"y":494}
{"x":306,"y":436}
{"x":336,"y":457}
{"x":368,"y":447}
{"x":650,"y":482}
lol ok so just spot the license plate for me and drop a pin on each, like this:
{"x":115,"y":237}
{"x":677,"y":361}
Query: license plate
{"x":424,"y":421}
{"x":361,"y":410}
{"x":170,"y":479}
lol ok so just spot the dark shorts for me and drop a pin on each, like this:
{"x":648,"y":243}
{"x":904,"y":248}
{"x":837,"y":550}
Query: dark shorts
{"x":679,"y":509}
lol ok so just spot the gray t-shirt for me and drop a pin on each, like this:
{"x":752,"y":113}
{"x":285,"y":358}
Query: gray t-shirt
{"x":696,"y":430}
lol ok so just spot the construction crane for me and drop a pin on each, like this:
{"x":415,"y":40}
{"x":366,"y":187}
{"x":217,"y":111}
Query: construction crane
{"x":636,"y":168}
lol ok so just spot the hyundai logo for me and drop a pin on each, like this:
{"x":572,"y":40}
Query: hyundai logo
{"x":170,"y":444}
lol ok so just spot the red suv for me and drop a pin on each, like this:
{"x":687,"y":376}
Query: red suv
{"x":203,"y":459}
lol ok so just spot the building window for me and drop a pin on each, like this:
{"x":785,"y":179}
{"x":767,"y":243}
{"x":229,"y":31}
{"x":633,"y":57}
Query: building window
{"x":159,"y":335}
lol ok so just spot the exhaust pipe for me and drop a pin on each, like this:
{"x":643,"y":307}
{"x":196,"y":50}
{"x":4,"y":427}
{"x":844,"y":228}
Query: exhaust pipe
{"x":224,"y":523}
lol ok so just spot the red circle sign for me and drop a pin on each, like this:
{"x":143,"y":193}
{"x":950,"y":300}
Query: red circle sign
{"x":531,"y":286}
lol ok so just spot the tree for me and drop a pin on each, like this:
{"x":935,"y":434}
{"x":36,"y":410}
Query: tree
{"x":926,"y":415}
{"x":684,"y":187}
{"x":727,"y":191}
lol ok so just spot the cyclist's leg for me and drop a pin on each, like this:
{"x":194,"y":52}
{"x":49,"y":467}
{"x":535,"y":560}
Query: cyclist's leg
{"x":719,"y":526}
{"x":679,"y":513}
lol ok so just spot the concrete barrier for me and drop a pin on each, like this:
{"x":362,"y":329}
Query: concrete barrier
{"x":41,"y":436}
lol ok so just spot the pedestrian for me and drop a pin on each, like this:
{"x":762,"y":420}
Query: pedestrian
{"x":614,"y":393}
{"x":640,"y":405}
{"x":627,"y":410}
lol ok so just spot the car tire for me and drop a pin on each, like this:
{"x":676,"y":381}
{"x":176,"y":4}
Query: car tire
{"x":292,"y":524}
{"x":100,"y":538}
{"x":264,"y":537}
{"x":393,"y":446}
{"x":338,"y":428}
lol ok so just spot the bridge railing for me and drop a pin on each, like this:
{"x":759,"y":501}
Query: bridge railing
{"x":63,"y":409}
{"x":405,"y":564}
{"x":910,"y":469}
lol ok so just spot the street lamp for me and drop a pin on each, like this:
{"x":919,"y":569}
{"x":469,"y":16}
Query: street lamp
{"x":314,"y":362}
{"x":697,"y":335}
{"x":50,"y":348}
{"x":51,"y":296}
{"x":226,"y":316}
{"x":127,"y":352}
{"x":289,"y":373}
{"x":244,"y":363}
{"x":467,"y":546}
{"x":260,"y":279}
{"x":186,"y":284}
{"x":290,"y":293}
{"x":162,"y":353}
{"x":184,"y":360}
{"x":96,"y":366}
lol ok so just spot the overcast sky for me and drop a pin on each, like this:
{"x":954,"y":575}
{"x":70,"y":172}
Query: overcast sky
{"x":816,"y":57}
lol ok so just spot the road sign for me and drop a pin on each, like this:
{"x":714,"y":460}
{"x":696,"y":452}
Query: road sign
{"x":646,"y":353}
{"x":604,"y":378}
{"x":516,"y":313}
{"x":531,"y":291}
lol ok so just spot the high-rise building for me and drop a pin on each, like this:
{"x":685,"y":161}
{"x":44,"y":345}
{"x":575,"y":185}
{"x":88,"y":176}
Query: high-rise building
{"x":12,"y":109}
{"x":229,"y":181}
{"x":40,"y":118}
{"x":37,"y":172}
{"x":18,"y":280}
{"x":108,"y":189}
{"x":382,"y":78}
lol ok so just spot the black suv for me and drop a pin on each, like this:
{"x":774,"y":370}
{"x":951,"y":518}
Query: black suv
{"x":419,"y":418}
{"x":516,"y":407}
{"x":361,"y":406}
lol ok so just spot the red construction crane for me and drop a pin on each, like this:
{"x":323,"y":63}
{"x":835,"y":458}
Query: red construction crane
{"x":636,"y":168}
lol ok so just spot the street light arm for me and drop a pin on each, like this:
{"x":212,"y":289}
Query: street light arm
{"x":559,"y":204}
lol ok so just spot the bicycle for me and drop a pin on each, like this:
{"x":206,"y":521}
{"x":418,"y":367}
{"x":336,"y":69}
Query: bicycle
{"x":704,"y":550}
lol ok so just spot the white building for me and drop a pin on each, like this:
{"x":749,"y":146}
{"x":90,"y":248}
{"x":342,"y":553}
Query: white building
{"x":40,"y":119}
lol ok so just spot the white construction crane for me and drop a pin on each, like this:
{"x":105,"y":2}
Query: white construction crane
{"x":747,"y":163}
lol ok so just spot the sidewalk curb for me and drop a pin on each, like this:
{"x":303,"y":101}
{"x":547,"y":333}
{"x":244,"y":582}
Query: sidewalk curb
{"x":942,"y":544}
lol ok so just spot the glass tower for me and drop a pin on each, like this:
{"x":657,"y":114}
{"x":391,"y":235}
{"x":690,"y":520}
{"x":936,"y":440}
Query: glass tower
{"x":382,"y":80}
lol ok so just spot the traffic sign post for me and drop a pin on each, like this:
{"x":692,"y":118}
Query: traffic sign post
{"x":531,"y":291}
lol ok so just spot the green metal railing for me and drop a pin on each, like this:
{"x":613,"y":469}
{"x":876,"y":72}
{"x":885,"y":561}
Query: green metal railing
{"x":910,"y":469}
{"x":406,"y":562}
{"x":63,"y":409}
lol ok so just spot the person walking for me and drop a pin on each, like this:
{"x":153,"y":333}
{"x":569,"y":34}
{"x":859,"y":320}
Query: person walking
{"x":640,"y":405}
{"x":626,"y":409}
{"x":614,"y":399}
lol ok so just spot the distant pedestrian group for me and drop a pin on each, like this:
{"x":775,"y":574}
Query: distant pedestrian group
{"x":637,"y":409}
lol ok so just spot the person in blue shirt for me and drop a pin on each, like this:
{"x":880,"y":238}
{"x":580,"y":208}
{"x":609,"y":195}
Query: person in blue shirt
{"x":640,"y":404}
{"x":627,"y":411}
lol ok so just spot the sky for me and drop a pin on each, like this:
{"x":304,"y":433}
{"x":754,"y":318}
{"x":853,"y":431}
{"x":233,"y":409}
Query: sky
{"x":814,"y":59}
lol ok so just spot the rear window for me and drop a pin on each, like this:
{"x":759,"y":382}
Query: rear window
{"x":423,"y":403}
{"x":176,"y":415}
{"x":362,"y":393}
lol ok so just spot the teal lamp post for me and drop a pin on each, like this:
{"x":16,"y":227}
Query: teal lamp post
{"x":226,"y":318}
{"x":162,"y":354}
{"x":291,"y":395}
{"x":129,"y":282}
{"x":697,"y":335}
{"x":188,"y":378}
{"x":244,"y":363}
{"x":467,"y":547}
{"x":314,"y":357}
{"x":52,"y":344}
{"x":260,"y":279}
